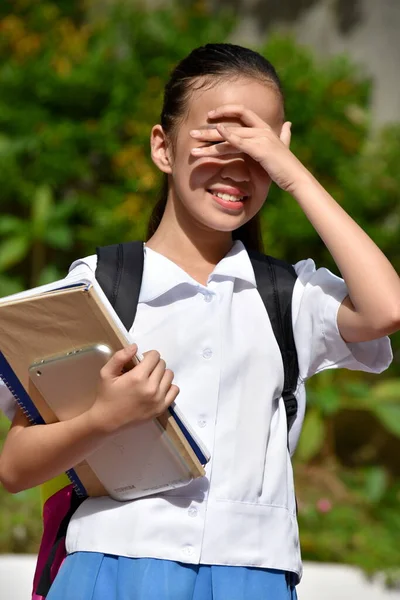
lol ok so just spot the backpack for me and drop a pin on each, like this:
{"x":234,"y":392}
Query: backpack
{"x":119,"y":272}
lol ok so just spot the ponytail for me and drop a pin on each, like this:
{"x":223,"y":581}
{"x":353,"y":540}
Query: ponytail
{"x":158,"y":210}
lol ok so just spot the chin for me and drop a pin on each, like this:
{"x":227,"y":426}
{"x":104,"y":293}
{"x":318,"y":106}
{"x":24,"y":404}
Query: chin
{"x":225,"y":223}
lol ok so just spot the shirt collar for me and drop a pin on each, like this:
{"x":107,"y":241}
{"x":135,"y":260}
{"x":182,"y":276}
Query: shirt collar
{"x":160,"y":274}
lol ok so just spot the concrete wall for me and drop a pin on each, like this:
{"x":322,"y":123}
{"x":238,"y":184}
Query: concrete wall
{"x":368,"y":30}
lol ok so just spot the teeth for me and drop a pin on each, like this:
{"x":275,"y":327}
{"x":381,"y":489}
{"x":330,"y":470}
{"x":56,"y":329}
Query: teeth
{"x":228,"y":197}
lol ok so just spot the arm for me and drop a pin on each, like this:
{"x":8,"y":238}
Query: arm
{"x":372,"y":308}
{"x":34,"y":454}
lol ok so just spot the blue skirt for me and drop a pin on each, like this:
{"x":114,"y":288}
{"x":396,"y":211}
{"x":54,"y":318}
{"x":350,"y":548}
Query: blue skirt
{"x":95,"y":576}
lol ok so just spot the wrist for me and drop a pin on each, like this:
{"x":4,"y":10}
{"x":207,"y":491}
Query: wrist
{"x":303,"y":185}
{"x":97,"y":424}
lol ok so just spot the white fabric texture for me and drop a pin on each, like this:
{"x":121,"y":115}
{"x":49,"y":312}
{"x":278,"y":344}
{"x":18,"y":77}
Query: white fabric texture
{"x":219,"y":342}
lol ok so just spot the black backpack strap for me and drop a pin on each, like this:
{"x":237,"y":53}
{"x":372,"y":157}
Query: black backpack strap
{"x":275,"y":282}
{"x":119,"y":272}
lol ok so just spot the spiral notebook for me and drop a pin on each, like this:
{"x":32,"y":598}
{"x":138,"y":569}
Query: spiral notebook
{"x":63,"y":317}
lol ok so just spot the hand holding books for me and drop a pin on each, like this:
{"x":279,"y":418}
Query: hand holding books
{"x":134,"y":396}
{"x":54,"y":377}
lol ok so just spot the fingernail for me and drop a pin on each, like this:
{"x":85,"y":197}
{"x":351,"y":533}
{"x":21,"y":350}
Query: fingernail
{"x":211,"y":112}
{"x":195,"y":132}
{"x":196,"y":150}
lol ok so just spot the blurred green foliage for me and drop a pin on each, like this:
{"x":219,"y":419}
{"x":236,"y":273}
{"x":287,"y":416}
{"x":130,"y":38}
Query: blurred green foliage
{"x":20,"y":515}
{"x":78,"y":98}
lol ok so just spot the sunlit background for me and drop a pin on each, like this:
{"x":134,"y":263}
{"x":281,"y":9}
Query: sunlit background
{"x":80,"y":87}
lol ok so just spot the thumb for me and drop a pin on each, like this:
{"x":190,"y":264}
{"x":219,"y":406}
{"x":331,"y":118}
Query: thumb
{"x":286,"y":133}
{"x":116,"y":364}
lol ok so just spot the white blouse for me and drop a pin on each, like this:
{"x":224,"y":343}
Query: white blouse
{"x":219,"y":342}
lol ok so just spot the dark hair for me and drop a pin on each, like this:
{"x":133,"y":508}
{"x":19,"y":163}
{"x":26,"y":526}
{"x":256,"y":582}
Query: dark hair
{"x":212,"y":60}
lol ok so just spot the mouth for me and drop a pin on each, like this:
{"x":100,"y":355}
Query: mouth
{"x":229,"y":201}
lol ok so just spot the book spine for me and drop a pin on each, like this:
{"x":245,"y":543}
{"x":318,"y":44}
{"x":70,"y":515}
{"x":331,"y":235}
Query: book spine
{"x":18,"y":391}
{"x":76,"y":483}
{"x":203,"y":459}
{"x":27,"y":406}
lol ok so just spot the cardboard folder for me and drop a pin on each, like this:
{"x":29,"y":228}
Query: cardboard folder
{"x":62,"y":318}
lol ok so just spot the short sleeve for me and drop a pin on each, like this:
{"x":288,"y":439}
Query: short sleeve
{"x":83,"y":267}
{"x":317,"y":296}
{"x":8,"y":404}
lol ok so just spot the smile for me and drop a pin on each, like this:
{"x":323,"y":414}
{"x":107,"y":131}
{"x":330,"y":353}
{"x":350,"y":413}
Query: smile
{"x":229,"y":197}
{"x":228,"y":201}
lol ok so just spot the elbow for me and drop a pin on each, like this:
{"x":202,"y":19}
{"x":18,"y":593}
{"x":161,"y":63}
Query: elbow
{"x":11,"y":486}
{"x":386,"y":322}
{"x":9,"y":479}
{"x":397,"y":317}
{"x":393,"y":324}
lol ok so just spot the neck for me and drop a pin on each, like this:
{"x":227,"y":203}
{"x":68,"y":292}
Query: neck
{"x":191,"y":245}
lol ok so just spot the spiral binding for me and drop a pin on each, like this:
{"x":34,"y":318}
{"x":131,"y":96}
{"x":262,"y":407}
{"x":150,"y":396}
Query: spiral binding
{"x":18,"y":391}
{"x":31,"y":412}
{"x":18,"y":400}
{"x":76,"y":483}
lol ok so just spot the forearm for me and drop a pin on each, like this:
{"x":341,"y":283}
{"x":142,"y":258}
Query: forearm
{"x":373,"y":284}
{"x":34,"y":454}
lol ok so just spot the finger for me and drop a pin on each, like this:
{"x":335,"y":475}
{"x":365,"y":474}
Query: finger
{"x":206,"y":135}
{"x":213,"y":135}
{"x":158,"y":372}
{"x":149,"y":363}
{"x":115,"y":365}
{"x":247,"y":116}
{"x":286,"y":133}
{"x":236,"y":141}
{"x":166,"y":381}
{"x":171,"y":395}
{"x":222,"y":149}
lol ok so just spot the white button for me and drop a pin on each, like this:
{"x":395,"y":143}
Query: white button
{"x":201,"y":423}
{"x":188,"y":550}
{"x":208,"y":297}
{"x":207,"y":353}
{"x":192,"y":512}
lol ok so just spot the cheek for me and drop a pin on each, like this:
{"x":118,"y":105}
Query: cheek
{"x":202,"y":171}
{"x":260,"y":177}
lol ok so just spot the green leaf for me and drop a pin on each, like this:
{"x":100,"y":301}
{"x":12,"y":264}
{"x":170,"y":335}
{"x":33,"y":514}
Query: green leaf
{"x":11,"y":225}
{"x":312,"y":436}
{"x":12,"y":251}
{"x":59,"y":236}
{"x":386,"y":391}
{"x":376,"y":483}
{"x":389,"y":416}
{"x":328,"y":400}
{"x":41,"y":211}
{"x":49,"y":274}
{"x":9,"y":285}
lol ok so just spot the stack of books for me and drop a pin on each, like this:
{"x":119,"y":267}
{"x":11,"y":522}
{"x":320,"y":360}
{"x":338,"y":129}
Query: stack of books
{"x":54,"y":339}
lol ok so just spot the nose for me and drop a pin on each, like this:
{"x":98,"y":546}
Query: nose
{"x":236,"y":170}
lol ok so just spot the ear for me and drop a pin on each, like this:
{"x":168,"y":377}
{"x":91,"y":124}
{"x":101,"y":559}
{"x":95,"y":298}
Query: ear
{"x":160,"y":149}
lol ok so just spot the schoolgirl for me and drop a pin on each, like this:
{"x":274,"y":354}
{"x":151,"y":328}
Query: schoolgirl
{"x":233,"y":534}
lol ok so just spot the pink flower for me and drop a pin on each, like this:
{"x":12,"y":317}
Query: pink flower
{"x":324,"y":505}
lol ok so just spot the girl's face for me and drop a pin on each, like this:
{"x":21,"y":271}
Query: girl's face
{"x":195,"y":181}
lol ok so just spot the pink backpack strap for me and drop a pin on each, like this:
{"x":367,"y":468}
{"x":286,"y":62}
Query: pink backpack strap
{"x":57,"y":512}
